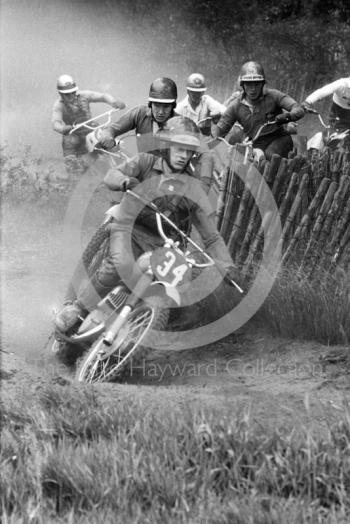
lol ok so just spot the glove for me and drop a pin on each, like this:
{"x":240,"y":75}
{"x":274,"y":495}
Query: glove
{"x":107,"y":142}
{"x":118,"y":105}
{"x":205,"y":123}
{"x":215,"y":117}
{"x":307,"y":107}
{"x":66,"y":129}
{"x":233,"y":277}
{"x":283,"y":118}
{"x":129,"y":183}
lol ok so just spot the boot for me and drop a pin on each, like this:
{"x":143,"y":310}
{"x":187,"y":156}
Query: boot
{"x":68,"y":316}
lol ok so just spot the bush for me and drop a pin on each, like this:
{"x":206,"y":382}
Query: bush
{"x":25,"y":176}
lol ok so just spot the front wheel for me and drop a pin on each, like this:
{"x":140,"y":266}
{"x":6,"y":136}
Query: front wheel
{"x":134,"y":341}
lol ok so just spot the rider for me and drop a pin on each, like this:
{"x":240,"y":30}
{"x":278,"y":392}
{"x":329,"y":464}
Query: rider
{"x":73,"y":106}
{"x":169,"y":182}
{"x":147,"y":120}
{"x":257,"y":105}
{"x":339,"y":115}
{"x":200,"y":107}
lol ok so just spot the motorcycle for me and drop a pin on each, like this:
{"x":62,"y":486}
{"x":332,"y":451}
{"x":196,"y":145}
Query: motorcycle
{"x":89,"y":132}
{"x":337,"y":139}
{"x":124,"y":324}
{"x":246,"y":148}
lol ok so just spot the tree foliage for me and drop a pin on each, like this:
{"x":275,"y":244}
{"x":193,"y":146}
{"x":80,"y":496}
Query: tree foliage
{"x":301,"y":43}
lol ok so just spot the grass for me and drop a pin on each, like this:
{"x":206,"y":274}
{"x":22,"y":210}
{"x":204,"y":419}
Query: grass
{"x":315,"y":308}
{"x":70,"y":455}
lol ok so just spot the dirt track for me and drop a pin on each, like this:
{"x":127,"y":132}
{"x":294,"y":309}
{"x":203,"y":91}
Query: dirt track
{"x":273,"y":375}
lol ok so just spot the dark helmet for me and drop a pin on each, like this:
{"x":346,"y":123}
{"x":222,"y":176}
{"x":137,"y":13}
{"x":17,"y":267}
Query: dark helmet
{"x":66,"y":84}
{"x":163,"y":90}
{"x":180,"y":130}
{"x":196,"y":82}
{"x":251,"y":72}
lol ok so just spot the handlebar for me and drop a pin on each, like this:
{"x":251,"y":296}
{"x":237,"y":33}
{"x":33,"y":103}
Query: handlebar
{"x":174,"y":245}
{"x":115,"y":155}
{"x":107,"y":114}
{"x":315,"y":112}
{"x":204,"y":120}
{"x":159,"y":216}
{"x":258,"y":133}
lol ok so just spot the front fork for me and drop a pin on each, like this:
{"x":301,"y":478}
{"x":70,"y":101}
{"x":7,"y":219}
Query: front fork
{"x":140,"y":289}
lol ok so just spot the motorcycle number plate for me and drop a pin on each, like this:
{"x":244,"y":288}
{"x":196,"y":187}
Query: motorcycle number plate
{"x":168,"y":266}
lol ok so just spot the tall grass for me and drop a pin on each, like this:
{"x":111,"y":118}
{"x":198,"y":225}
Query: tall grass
{"x":25,"y":176}
{"x":69,"y":455}
{"x":317,"y":307}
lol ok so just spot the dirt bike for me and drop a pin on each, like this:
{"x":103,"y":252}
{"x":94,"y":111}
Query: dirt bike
{"x":89,"y":131}
{"x":124,"y":324}
{"x":336,"y":139}
{"x":245,"y":148}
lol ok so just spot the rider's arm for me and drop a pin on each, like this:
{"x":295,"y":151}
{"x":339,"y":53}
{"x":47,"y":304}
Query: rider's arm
{"x":324,"y":91}
{"x":226,"y":121}
{"x":132,"y":168}
{"x":214,"y":106}
{"x":289,"y":104}
{"x":126,"y":123}
{"x":57,"y":119}
{"x":95,"y":96}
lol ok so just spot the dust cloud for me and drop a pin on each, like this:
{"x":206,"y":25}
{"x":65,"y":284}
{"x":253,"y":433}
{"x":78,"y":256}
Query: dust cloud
{"x":99,"y":46}
{"x":104,"y":51}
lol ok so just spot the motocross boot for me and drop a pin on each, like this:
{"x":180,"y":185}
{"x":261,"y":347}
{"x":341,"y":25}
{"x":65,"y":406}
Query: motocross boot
{"x":68,"y":316}
{"x":87,"y":300}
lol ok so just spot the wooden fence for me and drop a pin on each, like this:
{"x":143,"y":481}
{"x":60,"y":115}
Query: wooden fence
{"x":313,"y":201}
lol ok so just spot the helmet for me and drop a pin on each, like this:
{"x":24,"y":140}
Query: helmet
{"x":163,"y":90}
{"x":196,"y":82}
{"x":66,"y":84}
{"x":251,"y":72}
{"x":181,"y":131}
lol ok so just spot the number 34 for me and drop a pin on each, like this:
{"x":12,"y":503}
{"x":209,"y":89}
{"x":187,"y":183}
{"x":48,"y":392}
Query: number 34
{"x":178,"y":271}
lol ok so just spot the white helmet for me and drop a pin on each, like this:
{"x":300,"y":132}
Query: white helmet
{"x":66,"y":84}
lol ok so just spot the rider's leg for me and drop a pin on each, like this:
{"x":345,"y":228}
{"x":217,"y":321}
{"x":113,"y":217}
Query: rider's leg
{"x":120,"y":264}
{"x":73,"y":147}
{"x":279,"y":146}
{"x":236,"y":135}
{"x":339,"y":118}
{"x":258,"y":154}
{"x":125,"y":248}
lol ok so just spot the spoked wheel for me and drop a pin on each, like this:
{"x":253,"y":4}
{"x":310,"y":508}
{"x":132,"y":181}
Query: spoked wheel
{"x":91,"y":259}
{"x":96,"y":249}
{"x":135,"y":338}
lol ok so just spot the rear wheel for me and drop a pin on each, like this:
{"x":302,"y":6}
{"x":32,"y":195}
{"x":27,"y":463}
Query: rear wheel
{"x":134,"y":341}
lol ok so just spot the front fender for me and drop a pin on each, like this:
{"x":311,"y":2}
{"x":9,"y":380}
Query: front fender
{"x":92,"y":139}
{"x":164,"y":287}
